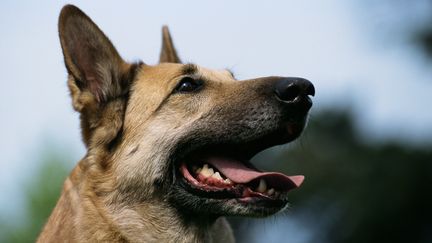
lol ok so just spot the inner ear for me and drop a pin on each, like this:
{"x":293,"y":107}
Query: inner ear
{"x":89,"y":55}
{"x":168,"y":52}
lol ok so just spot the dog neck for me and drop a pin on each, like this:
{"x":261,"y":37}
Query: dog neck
{"x":159,"y":222}
{"x":82,"y":215}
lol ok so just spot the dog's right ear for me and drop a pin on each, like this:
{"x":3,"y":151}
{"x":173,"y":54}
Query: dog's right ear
{"x":168,"y":52}
{"x":99,"y":79}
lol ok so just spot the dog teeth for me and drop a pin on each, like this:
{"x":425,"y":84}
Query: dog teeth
{"x":262,"y":187}
{"x":216,"y":175}
{"x":206,"y":171}
{"x":270,"y":191}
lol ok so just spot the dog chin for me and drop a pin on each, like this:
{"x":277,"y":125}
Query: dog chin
{"x":192,"y":204}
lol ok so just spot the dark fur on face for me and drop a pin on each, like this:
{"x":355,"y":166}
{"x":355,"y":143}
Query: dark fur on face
{"x":148,"y":128}
{"x":241,"y":131}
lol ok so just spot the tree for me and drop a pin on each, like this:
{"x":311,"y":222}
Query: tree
{"x":362,"y":191}
{"x":41,"y":194}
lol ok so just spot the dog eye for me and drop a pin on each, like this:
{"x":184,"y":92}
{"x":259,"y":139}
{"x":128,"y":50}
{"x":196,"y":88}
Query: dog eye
{"x":188,"y":84}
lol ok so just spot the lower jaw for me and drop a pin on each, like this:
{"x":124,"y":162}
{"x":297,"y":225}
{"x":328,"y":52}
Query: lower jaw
{"x":236,"y":207}
{"x":196,"y":201}
{"x":198,"y":198}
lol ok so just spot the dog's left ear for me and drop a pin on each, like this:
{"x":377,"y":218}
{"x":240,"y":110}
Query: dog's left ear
{"x":168,"y":52}
{"x":90,"y":57}
{"x":99,"y":79}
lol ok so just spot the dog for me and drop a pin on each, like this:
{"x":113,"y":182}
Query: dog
{"x":168,"y":145}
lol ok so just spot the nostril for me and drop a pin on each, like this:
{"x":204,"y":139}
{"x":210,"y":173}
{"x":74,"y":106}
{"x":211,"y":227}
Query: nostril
{"x":290,"y":93}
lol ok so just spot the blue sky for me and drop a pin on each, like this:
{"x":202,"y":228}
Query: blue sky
{"x":341,"y":46}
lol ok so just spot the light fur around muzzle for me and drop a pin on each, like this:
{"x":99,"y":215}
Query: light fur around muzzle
{"x":135,"y":128}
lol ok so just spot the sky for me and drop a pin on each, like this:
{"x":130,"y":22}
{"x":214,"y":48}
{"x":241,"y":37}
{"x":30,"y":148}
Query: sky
{"x":343,"y":47}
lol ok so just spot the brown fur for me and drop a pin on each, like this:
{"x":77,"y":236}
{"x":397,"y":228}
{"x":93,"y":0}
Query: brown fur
{"x":133,"y":125}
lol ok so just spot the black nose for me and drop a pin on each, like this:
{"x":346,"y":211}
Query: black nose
{"x":294,"y":90}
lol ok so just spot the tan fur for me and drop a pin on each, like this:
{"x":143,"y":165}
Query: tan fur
{"x":87,"y":210}
{"x":131,"y":121}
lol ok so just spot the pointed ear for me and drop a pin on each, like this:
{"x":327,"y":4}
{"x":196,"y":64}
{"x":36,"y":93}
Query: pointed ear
{"x":91,"y":59}
{"x":168,"y":52}
{"x":99,"y":79}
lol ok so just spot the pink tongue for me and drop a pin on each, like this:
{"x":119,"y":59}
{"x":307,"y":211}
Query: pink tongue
{"x":239,"y":173}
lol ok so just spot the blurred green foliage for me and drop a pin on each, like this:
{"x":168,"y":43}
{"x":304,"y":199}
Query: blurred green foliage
{"x":40,"y":194}
{"x":364,"y":191}
{"x":424,"y":39}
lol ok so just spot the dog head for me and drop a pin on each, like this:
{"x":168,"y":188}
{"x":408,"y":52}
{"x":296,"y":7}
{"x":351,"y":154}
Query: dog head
{"x":177,"y":132}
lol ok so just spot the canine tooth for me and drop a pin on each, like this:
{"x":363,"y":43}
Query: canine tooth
{"x":262,"y":187}
{"x":228,"y":181}
{"x":216,"y":175}
{"x":206,"y":172}
{"x":270,"y":191}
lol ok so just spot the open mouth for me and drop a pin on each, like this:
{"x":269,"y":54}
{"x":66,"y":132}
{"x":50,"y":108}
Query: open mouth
{"x":212,"y":172}
{"x":228,"y":175}
{"x":225,"y":177}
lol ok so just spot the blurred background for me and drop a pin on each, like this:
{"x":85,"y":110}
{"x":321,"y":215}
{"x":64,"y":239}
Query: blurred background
{"x":367,"y":151}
